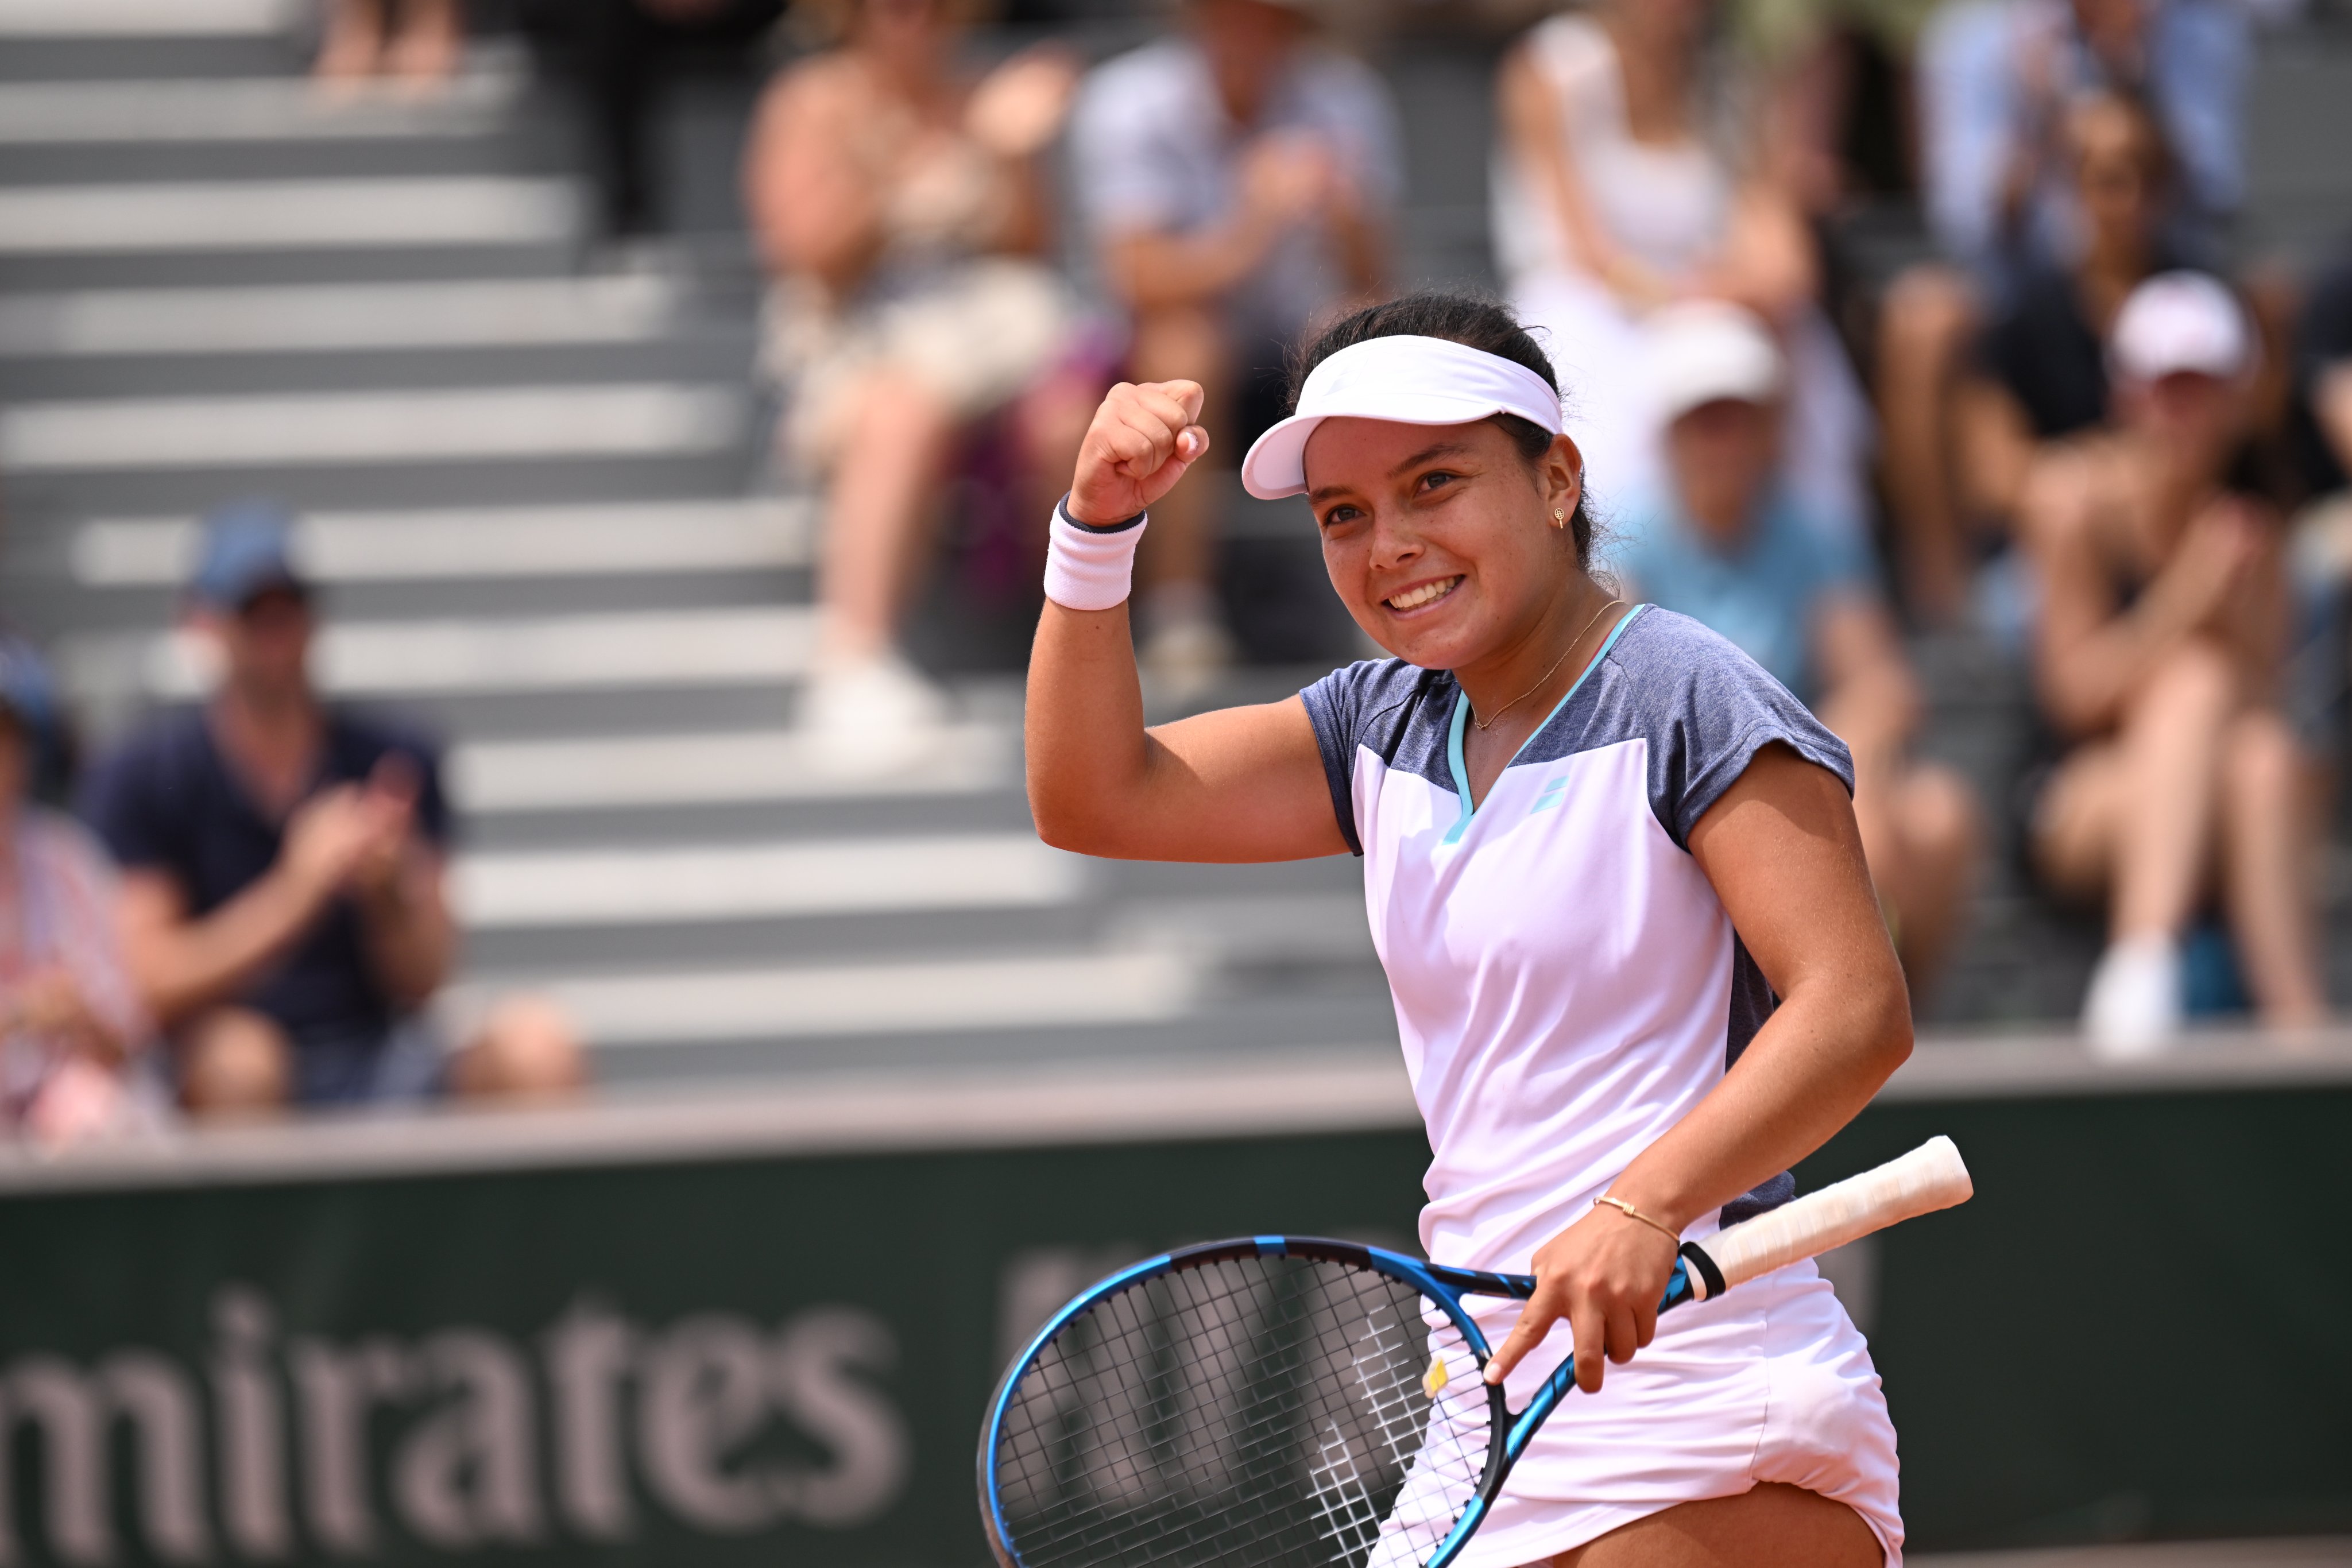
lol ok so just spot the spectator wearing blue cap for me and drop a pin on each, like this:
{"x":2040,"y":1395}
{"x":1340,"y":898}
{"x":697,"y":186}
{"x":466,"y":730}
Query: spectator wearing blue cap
{"x":70,"y":1022}
{"x":283,"y":905}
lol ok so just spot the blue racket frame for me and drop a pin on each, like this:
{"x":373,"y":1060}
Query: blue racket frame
{"x":1442,"y":1285}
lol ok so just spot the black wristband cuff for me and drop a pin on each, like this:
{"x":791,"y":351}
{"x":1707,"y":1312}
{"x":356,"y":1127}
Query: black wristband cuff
{"x":1062,"y":510}
{"x":1704,"y":1266}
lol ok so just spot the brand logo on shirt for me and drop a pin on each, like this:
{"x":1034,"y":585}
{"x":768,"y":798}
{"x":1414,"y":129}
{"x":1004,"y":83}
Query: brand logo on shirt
{"x":1553,"y":793}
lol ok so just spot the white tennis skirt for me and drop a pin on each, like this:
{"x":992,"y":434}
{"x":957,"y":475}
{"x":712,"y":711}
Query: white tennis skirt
{"x":1770,"y":1382}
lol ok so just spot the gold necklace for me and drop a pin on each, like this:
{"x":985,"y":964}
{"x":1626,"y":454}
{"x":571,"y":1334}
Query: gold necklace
{"x":1485,"y":724}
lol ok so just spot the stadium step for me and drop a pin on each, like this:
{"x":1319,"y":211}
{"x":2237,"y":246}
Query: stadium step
{"x":531,"y":507}
{"x":535,"y":506}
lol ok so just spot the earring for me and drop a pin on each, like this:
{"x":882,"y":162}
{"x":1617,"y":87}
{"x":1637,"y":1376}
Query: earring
{"x":1558,"y":517}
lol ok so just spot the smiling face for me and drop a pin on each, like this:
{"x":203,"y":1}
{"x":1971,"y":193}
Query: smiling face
{"x":1440,"y":539}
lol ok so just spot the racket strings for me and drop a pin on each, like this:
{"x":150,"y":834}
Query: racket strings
{"x":1245,"y":1412}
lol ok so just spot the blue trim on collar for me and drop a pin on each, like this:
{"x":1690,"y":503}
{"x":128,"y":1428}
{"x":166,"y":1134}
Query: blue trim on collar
{"x":1460,"y":768}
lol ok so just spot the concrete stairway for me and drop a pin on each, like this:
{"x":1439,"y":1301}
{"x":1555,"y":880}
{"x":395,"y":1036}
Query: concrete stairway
{"x":536,"y":500}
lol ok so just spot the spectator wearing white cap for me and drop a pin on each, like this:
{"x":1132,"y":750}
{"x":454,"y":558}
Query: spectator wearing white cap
{"x":2159,"y":656}
{"x":1723,"y":540}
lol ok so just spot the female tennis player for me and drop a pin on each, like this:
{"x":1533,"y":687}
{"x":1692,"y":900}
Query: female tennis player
{"x":1599,"y":843}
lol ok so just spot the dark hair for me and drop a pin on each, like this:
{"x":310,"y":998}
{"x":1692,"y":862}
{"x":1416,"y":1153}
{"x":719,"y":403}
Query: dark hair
{"x":2160,"y":161}
{"x":1473,"y":320}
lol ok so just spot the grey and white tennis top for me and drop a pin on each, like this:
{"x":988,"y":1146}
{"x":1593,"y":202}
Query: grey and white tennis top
{"x":1567,"y":985}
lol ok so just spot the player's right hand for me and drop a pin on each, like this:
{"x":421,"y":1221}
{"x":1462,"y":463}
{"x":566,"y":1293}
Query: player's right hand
{"x":1143,"y":440}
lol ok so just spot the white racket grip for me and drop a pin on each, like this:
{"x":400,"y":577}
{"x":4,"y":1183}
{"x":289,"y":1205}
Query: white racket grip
{"x":1930,"y":1178}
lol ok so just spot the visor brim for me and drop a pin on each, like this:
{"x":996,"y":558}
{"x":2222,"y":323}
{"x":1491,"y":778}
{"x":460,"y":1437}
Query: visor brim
{"x":1275,"y":465}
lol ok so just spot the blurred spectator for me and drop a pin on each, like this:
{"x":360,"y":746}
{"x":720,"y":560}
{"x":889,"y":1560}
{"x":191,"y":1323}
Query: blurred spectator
{"x":619,"y":53}
{"x":1239,"y":180}
{"x":2165,"y":620}
{"x":2039,"y":371}
{"x":418,"y":41}
{"x":1622,"y":184}
{"x":1725,"y":542}
{"x":2323,"y":378}
{"x":2319,"y":428}
{"x":1995,"y":81}
{"x":1839,"y":96}
{"x":283,"y":902}
{"x":902,"y":209}
{"x":2013,"y":201}
{"x":70,"y":1022}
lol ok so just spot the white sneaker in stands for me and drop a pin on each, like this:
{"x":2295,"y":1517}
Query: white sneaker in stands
{"x":1183,"y":658}
{"x":870,"y":716}
{"x":2133,"y":1008}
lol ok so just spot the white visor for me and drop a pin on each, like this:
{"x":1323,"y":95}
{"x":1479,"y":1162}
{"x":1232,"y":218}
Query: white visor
{"x":1408,"y":381}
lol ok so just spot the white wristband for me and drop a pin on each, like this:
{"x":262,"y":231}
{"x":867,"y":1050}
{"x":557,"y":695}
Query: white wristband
{"x":1087,"y":568}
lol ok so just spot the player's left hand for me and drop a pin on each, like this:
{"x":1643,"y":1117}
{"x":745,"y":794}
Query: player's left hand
{"x":1604,"y":1274}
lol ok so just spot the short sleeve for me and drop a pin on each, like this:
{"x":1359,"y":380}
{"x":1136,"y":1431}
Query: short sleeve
{"x":1124,"y":167}
{"x":1366,"y":706}
{"x":1335,"y":707}
{"x":122,"y":801}
{"x":1720,"y":709}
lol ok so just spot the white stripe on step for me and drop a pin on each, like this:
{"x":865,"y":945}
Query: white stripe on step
{"x":286,"y":214}
{"x":1144,"y":987}
{"x":246,"y":108}
{"x":331,"y":318}
{"x":755,"y":881}
{"x":449,"y":658}
{"x":323,"y":428}
{"x":707,"y":769}
{"x":135,"y":18}
{"x":474,"y":542}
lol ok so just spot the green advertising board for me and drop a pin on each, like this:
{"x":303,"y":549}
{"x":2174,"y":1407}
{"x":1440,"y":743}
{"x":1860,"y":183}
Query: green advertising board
{"x":764,"y":1333}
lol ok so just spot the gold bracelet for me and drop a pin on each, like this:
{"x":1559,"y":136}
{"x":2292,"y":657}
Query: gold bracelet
{"x":1657,"y":1224}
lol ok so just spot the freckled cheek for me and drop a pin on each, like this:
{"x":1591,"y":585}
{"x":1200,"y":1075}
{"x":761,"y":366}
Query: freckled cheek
{"x":1345,"y":563}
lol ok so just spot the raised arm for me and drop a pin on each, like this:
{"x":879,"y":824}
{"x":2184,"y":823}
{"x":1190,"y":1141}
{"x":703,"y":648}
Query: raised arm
{"x":1239,"y":784}
{"x":815,"y":208}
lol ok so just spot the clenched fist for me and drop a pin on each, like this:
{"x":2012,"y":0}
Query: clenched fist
{"x":1141,"y":442}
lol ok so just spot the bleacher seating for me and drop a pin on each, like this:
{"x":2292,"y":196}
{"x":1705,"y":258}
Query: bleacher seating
{"x":541,"y":506}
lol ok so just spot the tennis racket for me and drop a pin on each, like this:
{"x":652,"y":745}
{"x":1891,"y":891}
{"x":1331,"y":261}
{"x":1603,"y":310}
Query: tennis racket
{"x":1289,"y":1400}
